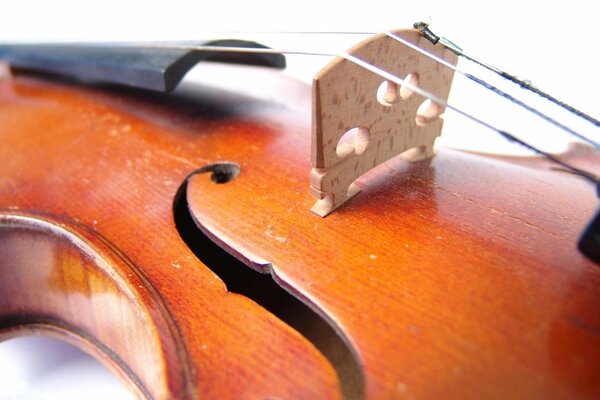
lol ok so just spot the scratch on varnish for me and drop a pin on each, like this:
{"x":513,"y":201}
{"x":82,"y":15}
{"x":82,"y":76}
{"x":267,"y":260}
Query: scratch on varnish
{"x":595,"y":330}
{"x":270,"y":234}
{"x":198,"y":162}
{"x":502,"y":213}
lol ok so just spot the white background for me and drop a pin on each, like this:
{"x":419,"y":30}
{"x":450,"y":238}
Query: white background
{"x":551,"y":43}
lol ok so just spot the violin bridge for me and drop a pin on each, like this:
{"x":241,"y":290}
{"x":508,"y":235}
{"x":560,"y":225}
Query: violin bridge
{"x":361,"y":120}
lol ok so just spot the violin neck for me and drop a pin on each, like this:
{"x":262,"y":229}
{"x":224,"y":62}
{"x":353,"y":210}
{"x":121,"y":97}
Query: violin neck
{"x":158,"y":68}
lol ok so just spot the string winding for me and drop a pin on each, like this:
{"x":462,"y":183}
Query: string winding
{"x":433,"y":38}
{"x":494,"y":89}
{"x":441,"y":102}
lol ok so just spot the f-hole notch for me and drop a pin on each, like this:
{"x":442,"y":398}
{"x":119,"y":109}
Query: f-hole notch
{"x":222,"y":172}
{"x":262,"y":288}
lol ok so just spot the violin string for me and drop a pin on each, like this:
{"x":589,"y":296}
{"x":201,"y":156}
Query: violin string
{"x":275,"y":32}
{"x":433,"y":38}
{"x":426,"y":32}
{"x":401,"y":82}
{"x":390,"y":34}
{"x":378,"y":71}
{"x":443,"y":103}
{"x":493,"y":88}
{"x":207,"y":48}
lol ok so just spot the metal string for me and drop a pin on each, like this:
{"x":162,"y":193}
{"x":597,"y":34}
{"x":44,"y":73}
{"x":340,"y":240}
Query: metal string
{"x":400,"y":81}
{"x":443,"y":103}
{"x":494,"y":89}
{"x":382,"y":73}
{"x":429,"y":35}
{"x":433,"y":38}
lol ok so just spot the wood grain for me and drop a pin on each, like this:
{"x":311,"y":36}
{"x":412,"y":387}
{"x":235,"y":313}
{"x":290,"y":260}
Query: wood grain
{"x":111,"y":163}
{"x":54,"y":283}
{"x":344,"y":98}
{"x":455,"y":277}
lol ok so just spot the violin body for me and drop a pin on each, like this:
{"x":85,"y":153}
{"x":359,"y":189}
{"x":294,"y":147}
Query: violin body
{"x":456,"y":276}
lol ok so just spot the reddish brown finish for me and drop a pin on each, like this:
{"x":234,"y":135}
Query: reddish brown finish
{"x":73,"y":157}
{"x":465,"y":285}
{"x":451,"y":278}
{"x":53,"y":281}
{"x":456,"y":277}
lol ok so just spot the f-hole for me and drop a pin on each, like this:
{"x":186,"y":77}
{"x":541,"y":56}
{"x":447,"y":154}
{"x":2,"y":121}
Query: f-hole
{"x":262,"y":288}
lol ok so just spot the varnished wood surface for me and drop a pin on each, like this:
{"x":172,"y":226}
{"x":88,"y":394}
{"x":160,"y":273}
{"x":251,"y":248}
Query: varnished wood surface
{"x":456,"y":277}
{"x":79,"y":158}
{"x":451,"y":278}
{"x":54,"y":283}
{"x":455,"y":289}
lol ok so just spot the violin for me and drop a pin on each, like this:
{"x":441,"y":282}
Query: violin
{"x":195,"y":242}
